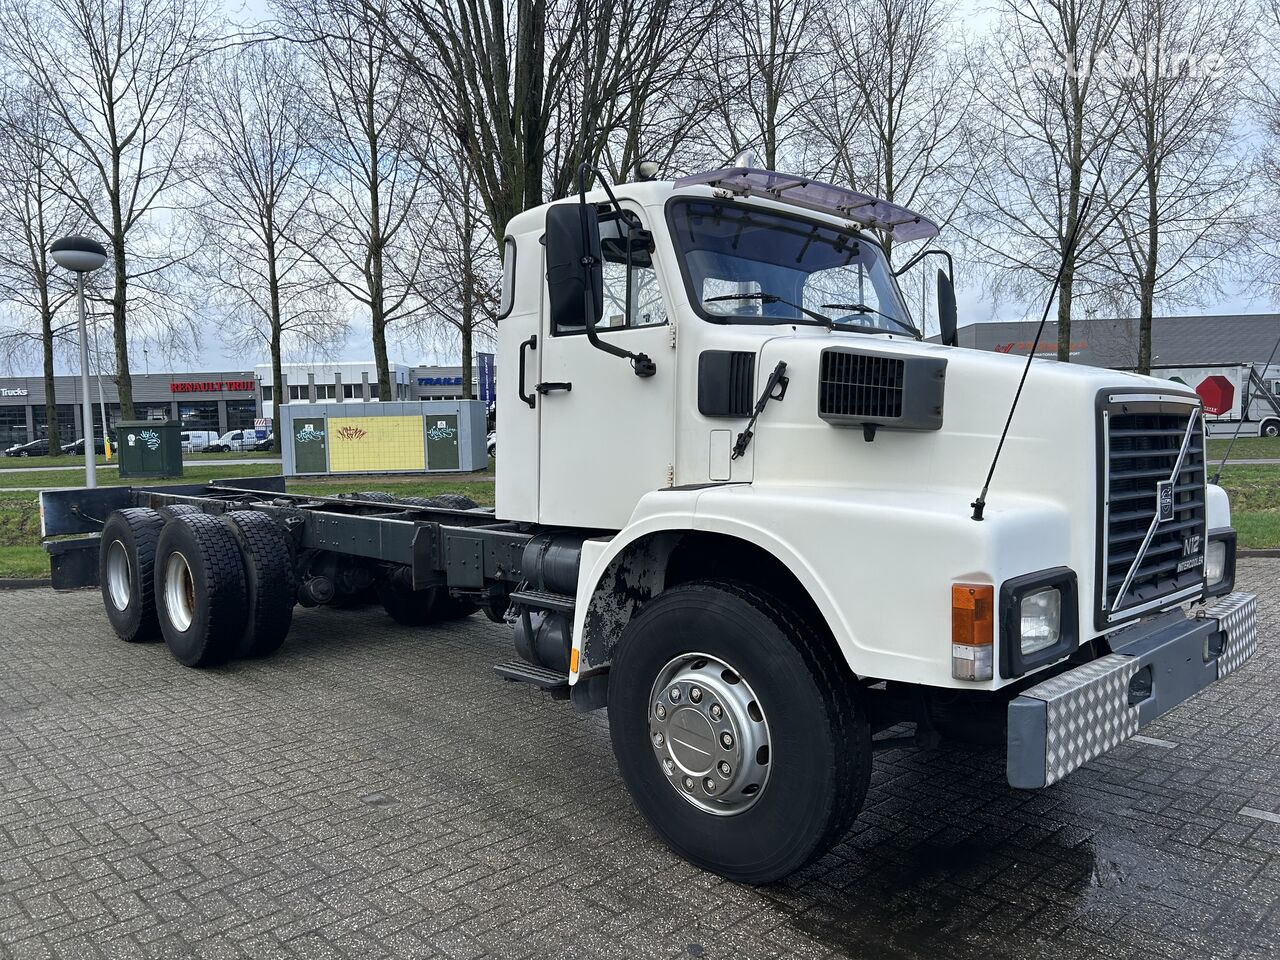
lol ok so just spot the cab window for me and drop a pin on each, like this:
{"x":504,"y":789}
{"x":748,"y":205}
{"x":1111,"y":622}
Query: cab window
{"x":632,"y":296}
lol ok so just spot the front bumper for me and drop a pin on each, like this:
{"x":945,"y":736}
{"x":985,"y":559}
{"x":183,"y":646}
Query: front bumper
{"x":1066,"y":721}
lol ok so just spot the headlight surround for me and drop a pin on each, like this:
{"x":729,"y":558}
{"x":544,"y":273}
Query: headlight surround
{"x":1220,"y":562}
{"x":1039,"y":620}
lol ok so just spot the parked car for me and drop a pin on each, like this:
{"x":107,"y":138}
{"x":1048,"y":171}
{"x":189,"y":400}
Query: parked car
{"x":36,"y":448}
{"x":78,"y":446}
{"x":196,"y":441}
{"x":266,"y":444}
{"x":491,"y":444}
{"x":233,"y":440}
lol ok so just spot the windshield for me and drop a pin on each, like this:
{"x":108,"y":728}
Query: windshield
{"x":743,"y":264}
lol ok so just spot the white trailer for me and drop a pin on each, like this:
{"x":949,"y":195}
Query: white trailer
{"x":735,"y":506}
{"x":1232,"y":393}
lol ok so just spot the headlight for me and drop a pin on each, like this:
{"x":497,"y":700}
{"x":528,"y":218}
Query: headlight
{"x":1215,"y":562}
{"x":1220,"y":562}
{"x":1039,"y":620}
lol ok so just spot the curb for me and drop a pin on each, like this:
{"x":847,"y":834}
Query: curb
{"x":19,"y":583}
{"x":1258,"y":552}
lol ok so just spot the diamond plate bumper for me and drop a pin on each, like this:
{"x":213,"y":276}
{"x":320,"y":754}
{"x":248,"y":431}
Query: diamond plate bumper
{"x":1066,"y":721}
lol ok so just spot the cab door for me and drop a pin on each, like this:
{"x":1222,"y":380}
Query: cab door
{"x":607,"y":432}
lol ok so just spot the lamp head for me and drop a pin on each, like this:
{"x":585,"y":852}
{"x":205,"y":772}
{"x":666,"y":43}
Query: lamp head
{"x":79,"y":254}
{"x":648,"y":169}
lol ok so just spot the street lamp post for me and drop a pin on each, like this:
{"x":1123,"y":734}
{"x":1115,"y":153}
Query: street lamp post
{"x":82,"y":255}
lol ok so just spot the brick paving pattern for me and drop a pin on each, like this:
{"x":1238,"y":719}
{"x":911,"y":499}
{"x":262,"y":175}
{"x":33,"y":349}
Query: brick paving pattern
{"x":375,"y":791}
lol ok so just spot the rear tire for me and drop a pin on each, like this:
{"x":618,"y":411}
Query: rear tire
{"x":201,"y":599}
{"x":126,"y":572}
{"x":808,"y":710}
{"x":451,"y":501}
{"x":270,"y":582}
{"x":178,"y":510}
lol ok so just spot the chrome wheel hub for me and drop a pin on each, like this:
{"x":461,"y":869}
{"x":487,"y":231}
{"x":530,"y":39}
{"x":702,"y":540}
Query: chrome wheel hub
{"x":119,"y":586}
{"x":179,"y":592}
{"x":709,"y":734}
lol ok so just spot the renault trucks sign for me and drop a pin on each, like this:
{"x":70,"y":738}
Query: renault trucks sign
{"x":1220,"y":388}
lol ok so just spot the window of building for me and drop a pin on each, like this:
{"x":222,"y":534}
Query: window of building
{"x":199,"y":416}
{"x":151,"y":411}
{"x":299,"y":391}
{"x":113,"y":417}
{"x":241,"y":414}
{"x":13,"y":425}
{"x":66,"y":414}
{"x":326,"y":391}
{"x":353,"y":391}
{"x":268,"y":391}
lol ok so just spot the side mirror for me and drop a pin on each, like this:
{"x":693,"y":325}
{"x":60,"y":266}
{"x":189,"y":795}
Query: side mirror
{"x":946,"y":309}
{"x":575,"y":278}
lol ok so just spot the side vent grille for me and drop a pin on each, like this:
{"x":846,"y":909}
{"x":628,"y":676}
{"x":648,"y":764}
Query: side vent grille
{"x":859,"y":388}
{"x":726,"y":383}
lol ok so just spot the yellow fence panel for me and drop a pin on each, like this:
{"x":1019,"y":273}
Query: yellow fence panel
{"x":375,"y":444}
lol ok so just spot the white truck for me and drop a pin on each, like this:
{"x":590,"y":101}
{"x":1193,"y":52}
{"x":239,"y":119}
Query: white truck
{"x":735,"y":506}
{"x":1232,"y":393}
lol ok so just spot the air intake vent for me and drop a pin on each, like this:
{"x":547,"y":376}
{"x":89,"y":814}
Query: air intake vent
{"x":726,"y":381}
{"x":858,"y":388}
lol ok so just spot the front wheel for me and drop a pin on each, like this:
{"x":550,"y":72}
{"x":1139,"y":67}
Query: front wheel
{"x":740,"y":737}
{"x":1271,"y":428}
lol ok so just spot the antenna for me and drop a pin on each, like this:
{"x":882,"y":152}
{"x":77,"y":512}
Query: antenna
{"x":1217,"y":474}
{"x":981,"y":503}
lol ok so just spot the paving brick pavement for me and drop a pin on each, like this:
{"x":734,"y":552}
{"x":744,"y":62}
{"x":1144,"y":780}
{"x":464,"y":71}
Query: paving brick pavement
{"x":374,"y":791}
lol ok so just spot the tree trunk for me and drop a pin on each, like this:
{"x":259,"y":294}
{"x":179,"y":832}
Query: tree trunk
{"x":50,"y":399}
{"x":1147,"y":284}
{"x":379,"y":324}
{"x":119,"y":302}
{"x":277,"y":374}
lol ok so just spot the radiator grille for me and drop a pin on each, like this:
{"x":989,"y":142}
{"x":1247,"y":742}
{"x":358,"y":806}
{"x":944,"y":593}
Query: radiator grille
{"x":1142,"y":445}
{"x":860,"y":385}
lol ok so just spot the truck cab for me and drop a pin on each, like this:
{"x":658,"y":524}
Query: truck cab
{"x":717,"y":385}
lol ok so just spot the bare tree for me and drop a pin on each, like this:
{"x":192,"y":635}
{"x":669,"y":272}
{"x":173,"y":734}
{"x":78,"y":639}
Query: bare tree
{"x":363,"y":228}
{"x":33,"y":213}
{"x":768,"y":54}
{"x":1052,"y":122}
{"x":1263,"y":94}
{"x":116,"y":74}
{"x":460,"y":287}
{"x":896,"y":113}
{"x":255,"y":181}
{"x":1180,"y":71}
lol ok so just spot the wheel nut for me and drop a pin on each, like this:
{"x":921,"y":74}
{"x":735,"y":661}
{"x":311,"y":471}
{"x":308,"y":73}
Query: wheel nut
{"x":688,"y":784}
{"x":669,"y":766}
{"x":710,"y":785}
{"x":660,"y":712}
{"x":726,"y":740}
{"x":695,"y":695}
{"x":659,"y":739}
{"x":724,"y":768}
{"x":716,"y":712}
{"x":674,"y":694}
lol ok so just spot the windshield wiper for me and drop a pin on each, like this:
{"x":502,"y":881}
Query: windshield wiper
{"x":864,"y":308}
{"x":773,"y":298}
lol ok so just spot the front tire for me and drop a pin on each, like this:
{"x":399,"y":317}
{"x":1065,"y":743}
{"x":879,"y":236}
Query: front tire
{"x":1270,"y":429}
{"x":801,"y":706}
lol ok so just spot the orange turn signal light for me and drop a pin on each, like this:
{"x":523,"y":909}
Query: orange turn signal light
{"x":973,"y":614}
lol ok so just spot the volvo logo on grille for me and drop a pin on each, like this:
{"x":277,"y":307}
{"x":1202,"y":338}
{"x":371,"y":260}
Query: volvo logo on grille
{"x":1164,"y":500}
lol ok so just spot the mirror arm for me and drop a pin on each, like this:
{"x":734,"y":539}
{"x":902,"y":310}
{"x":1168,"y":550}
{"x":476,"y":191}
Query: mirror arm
{"x":951,"y":275}
{"x":640,"y":362}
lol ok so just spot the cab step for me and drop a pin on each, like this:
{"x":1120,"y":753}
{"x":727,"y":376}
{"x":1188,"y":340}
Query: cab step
{"x":517,"y":671}
{"x":543,"y":600}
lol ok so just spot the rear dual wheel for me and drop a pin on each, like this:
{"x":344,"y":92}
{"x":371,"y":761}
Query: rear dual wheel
{"x":126,"y":572}
{"x":200,"y":589}
{"x":741,"y":738}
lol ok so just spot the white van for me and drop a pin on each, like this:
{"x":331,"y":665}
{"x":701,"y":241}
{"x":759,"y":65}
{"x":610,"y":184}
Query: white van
{"x":236,"y":440}
{"x":194,"y":441}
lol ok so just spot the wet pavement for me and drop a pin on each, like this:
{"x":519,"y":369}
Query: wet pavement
{"x":375,"y":791}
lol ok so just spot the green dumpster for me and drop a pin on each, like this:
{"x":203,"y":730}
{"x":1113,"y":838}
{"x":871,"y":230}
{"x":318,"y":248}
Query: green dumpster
{"x":150,"y":448}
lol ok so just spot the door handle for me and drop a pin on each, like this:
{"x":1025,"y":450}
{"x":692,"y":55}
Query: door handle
{"x":545,"y":388}
{"x":530,"y":344}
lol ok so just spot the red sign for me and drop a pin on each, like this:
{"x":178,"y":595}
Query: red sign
{"x":211,"y":386}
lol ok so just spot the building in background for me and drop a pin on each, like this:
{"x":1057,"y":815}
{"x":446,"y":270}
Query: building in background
{"x":218,"y":400}
{"x":1113,"y":343}
{"x":325,"y":382}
